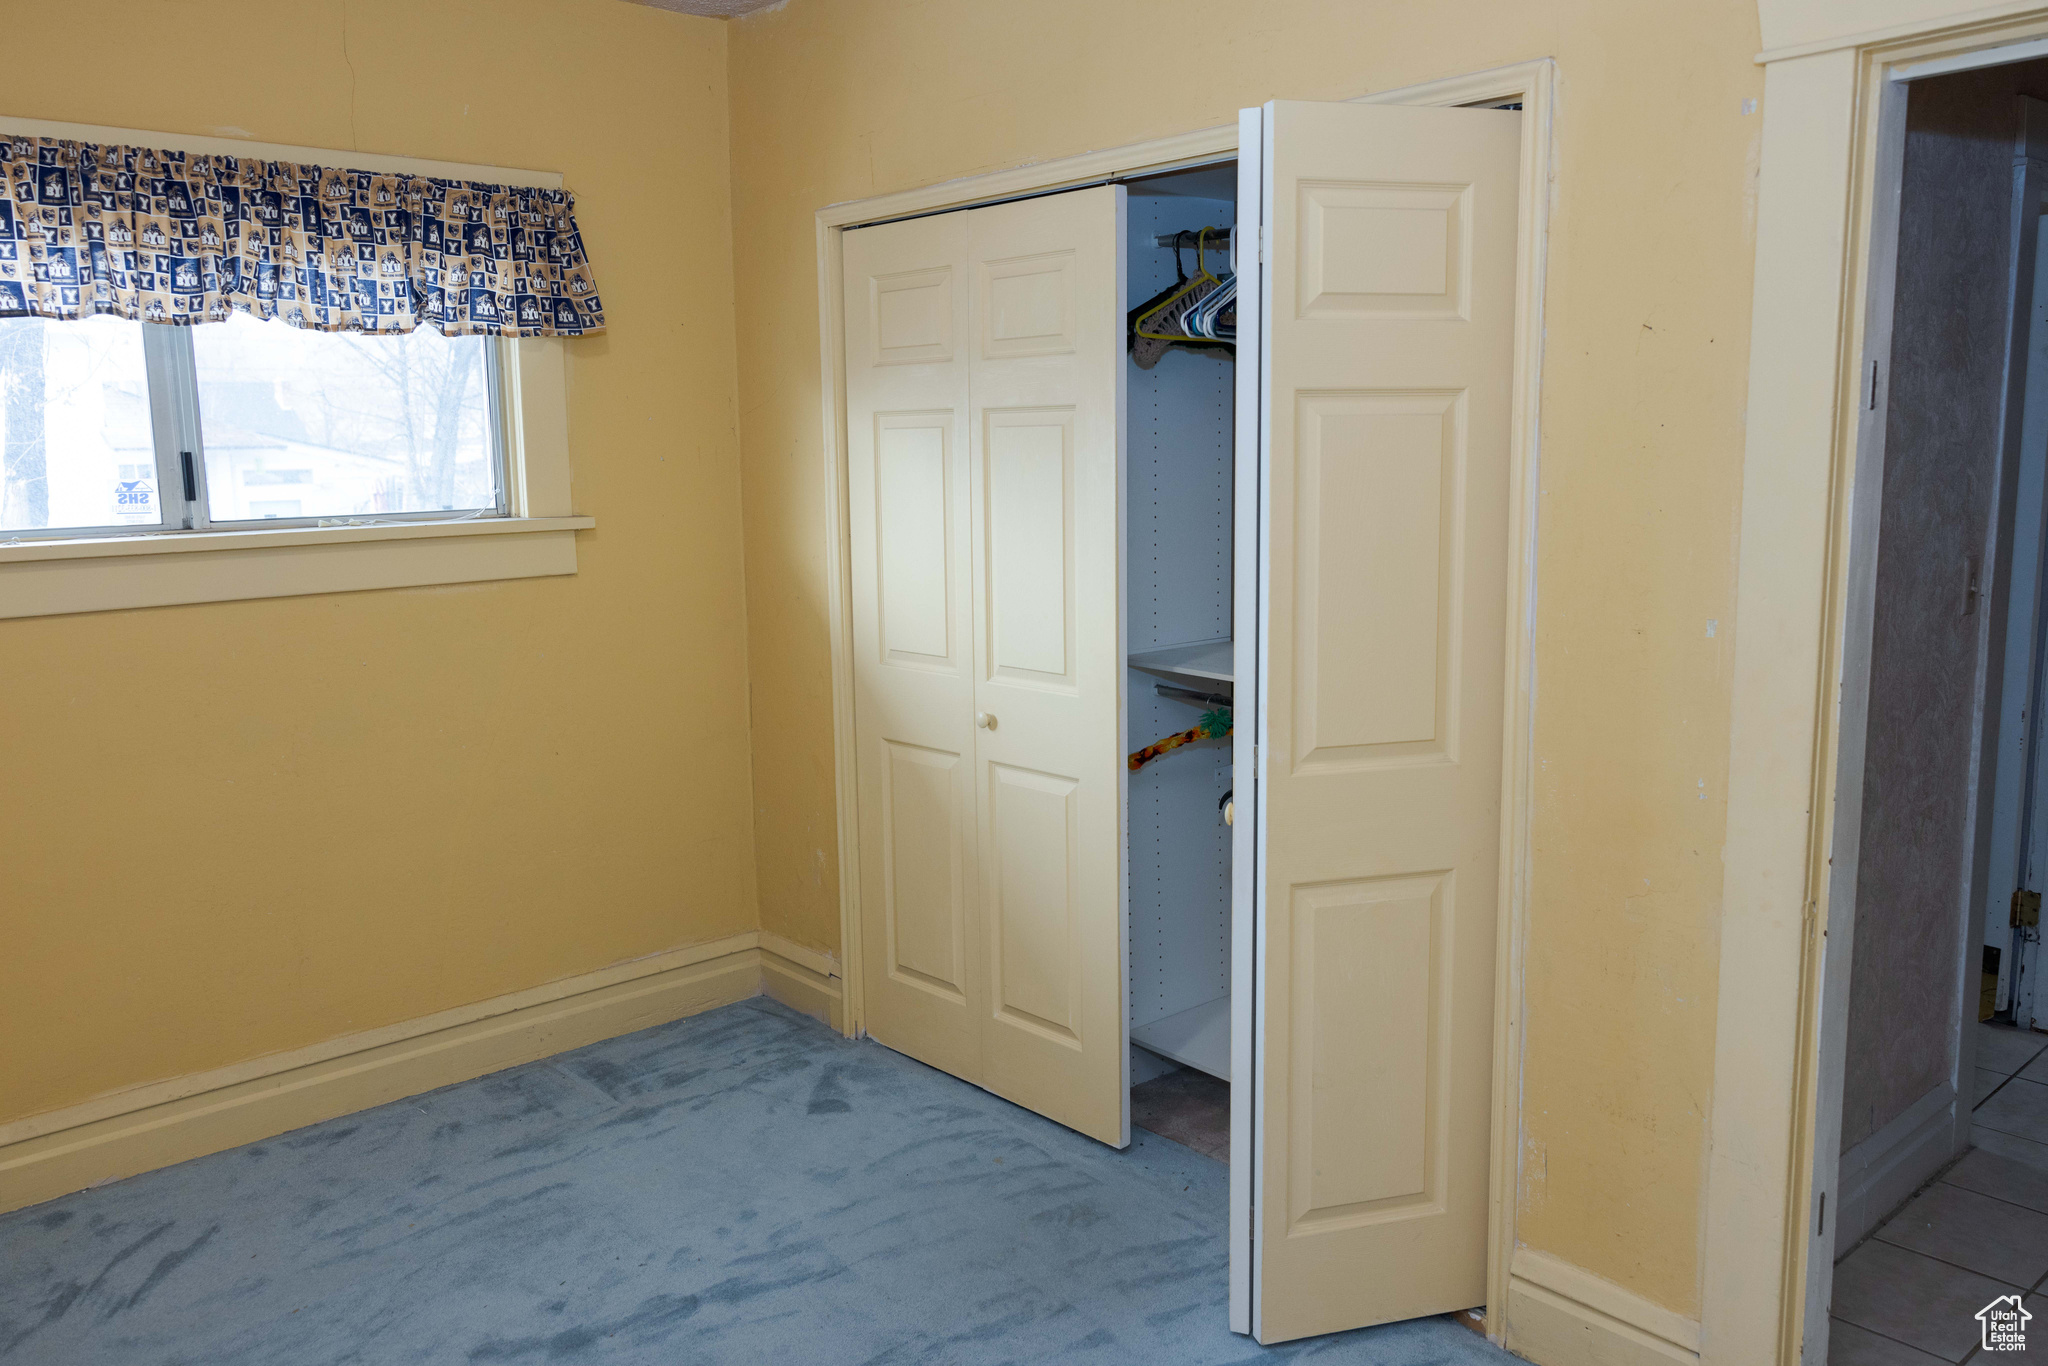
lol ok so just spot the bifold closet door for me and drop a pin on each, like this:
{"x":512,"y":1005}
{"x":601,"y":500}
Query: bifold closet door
{"x":1046,"y":399}
{"x":907,"y":498}
{"x":1385,"y":391}
{"x":984,"y":371}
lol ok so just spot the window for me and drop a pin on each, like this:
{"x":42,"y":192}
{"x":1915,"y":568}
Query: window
{"x":111,"y":427}
{"x":321,"y":462}
{"x":81,"y":389}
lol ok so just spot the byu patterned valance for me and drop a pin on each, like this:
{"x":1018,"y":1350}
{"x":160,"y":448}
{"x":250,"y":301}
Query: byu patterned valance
{"x":177,"y":237}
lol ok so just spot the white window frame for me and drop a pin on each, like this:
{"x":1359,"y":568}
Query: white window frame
{"x":187,"y":559}
{"x":178,"y":436}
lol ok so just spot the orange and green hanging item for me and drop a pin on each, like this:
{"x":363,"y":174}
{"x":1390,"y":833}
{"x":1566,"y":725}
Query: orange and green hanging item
{"x":1214,"y":725}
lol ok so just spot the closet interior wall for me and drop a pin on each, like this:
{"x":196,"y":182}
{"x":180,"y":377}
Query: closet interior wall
{"x":1178,"y":585}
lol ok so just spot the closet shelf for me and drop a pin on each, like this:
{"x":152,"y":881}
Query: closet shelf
{"x":1205,"y":662}
{"x":1198,"y":1038}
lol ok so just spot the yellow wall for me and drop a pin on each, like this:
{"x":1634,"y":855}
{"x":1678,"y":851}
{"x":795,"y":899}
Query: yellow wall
{"x":1643,"y":385}
{"x":234,"y":829}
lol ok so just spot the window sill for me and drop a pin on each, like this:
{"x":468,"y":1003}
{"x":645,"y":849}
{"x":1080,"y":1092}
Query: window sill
{"x":110,"y":573}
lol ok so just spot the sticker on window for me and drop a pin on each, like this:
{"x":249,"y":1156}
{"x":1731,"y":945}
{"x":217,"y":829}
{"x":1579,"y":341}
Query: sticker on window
{"x":135,"y":498}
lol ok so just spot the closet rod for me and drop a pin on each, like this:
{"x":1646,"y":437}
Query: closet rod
{"x":1218,"y":241}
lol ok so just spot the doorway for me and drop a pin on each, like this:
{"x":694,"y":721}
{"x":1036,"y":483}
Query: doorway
{"x":1929,"y":1186}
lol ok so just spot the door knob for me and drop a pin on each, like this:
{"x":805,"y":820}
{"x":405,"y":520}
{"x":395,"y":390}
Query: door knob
{"x":986,"y":720}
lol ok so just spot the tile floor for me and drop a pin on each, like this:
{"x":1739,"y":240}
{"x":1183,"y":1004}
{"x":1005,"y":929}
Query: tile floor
{"x":1909,"y":1294}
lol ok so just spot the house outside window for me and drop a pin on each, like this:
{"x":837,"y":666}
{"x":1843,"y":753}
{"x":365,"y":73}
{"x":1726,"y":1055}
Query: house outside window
{"x":101,"y":418}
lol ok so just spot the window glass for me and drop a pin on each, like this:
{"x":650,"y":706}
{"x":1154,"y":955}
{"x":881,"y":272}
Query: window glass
{"x":75,"y":443}
{"x":333,"y":424}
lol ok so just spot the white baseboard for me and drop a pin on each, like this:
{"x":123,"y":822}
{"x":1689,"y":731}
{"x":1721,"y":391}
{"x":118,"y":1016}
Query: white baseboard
{"x":1877,"y":1175}
{"x":817,"y":960}
{"x":153,"y":1126}
{"x":1562,"y":1315}
{"x":803,"y":979}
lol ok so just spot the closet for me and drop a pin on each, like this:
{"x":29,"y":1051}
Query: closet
{"x":1178,"y":457}
{"x":1064,"y":545}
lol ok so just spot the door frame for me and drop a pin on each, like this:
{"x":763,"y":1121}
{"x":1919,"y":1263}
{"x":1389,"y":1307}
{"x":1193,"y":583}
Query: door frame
{"x":1533,"y":85}
{"x":1833,"y":129}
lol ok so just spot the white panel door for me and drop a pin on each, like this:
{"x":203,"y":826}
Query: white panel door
{"x":1384,"y":391}
{"x":984,"y":356}
{"x":1047,"y":373}
{"x":907,"y":292}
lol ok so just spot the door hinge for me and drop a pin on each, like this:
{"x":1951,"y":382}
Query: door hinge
{"x":191,"y":476}
{"x":1870,"y":386}
{"x":2026,"y":909}
{"x":1262,"y":244}
{"x":1822,"y":1226}
{"x":1971,"y":588}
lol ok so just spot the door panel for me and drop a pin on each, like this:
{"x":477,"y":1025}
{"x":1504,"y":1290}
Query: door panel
{"x":984,"y":391}
{"x":1376,"y":507}
{"x":924,"y":880}
{"x":1047,"y":404}
{"x":911,"y":313}
{"x":1371,"y":249}
{"x":1028,"y":482}
{"x":908,"y":512}
{"x":1031,"y":882}
{"x":1384,"y":394}
{"x":914,"y":536}
{"x":1367,"y":959}
{"x":1031,"y":305}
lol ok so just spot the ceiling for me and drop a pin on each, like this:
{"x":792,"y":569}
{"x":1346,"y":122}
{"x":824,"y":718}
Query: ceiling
{"x":717,"y":9}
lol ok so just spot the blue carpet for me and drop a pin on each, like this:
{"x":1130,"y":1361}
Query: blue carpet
{"x":745,"y":1186}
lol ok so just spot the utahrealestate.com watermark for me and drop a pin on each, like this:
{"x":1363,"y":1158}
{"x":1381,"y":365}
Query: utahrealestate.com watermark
{"x":2005,"y":1324}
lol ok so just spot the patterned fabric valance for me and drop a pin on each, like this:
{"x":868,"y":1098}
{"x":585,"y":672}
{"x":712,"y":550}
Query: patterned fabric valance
{"x":177,"y":237}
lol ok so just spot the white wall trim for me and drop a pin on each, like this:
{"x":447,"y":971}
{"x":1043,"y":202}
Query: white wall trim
{"x":1974,"y":60}
{"x":50,"y":578}
{"x":1782,"y":712}
{"x":1560,"y":1315}
{"x":814,"y":960}
{"x":1877,"y":1175}
{"x":384,"y":162}
{"x":802,"y":990}
{"x":128,"y":1100}
{"x":805,"y":980}
{"x":146,"y":1127}
{"x":1534,"y":83}
{"x":175,"y":543}
{"x":1780,"y":17}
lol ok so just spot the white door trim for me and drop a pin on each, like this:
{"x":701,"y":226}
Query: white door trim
{"x":1531,"y":83}
{"x":1782,"y":997}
